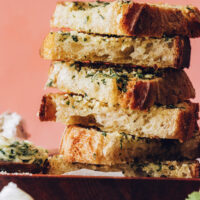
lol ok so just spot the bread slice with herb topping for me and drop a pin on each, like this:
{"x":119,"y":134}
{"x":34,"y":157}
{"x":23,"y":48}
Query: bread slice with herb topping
{"x":169,"y":122}
{"x":127,"y":18}
{"x":133,"y":88}
{"x":21,"y":156}
{"x":136,"y":51}
{"x":168,"y":169}
{"x":93,"y":146}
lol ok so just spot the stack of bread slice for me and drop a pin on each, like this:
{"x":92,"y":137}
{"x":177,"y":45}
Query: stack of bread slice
{"x":125,"y":98}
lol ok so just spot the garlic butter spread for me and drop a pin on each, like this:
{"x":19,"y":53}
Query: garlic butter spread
{"x":21,"y":152}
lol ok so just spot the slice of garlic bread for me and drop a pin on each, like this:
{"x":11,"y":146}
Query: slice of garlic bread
{"x":170,"y":122}
{"x":133,"y":88}
{"x":166,"y":52}
{"x":90,"y":145}
{"x":127,"y":18}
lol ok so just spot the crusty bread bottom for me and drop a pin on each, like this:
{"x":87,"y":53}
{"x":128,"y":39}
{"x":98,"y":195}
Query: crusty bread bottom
{"x":169,"y":169}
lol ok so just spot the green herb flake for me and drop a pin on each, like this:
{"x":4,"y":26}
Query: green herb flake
{"x":75,"y":38}
{"x":190,"y":9}
{"x":124,"y":136}
{"x":102,"y":17}
{"x":3,"y":152}
{"x":94,"y":155}
{"x":12,"y":156}
{"x":171,"y":167}
{"x":38,"y":162}
{"x":72,"y":65}
{"x":159,"y":167}
{"x":121,"y":142}
{"x":104,"y":134}
{"x":25,"y":161}
{"x":171,"y":106}
{"x":103,"y":81}
{"x":165,"y":37}
{"x":103,"y":3}
{"x":50,"y":83}
{"x":78,"y":5}
{"x":73,"y":76}
{"x":92,"y":6}
{"x":85,"y":39}
{"x":106,"y":3}
{"x":89,"y":75}
{"x":68,"y":102}
{"x":64,"y":36}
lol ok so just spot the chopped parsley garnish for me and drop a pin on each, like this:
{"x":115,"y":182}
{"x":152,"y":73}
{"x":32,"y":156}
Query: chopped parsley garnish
{"x":104,"y":134}
{"x":171,"y":106}
{"x":92,"y":6}
{"x":102,"y":17}
{"x":190,"y":9}
{"x":50,"y":83}
{"x":171,"y":167}
{"x":124,"y":136}
{"x":72,"y":65}
{"x":103,"y":81}
{"x":75,"y":38}
{"x":3,"y":152}
{"x":94,"y":155}
{"x":79,"y":5}
{"x":104,"y":3}
{"x":64,"y":36}
{"x":38,"y":162}
{"x":159,"y":167}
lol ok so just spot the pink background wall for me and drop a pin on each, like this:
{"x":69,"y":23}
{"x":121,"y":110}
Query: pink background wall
{"x":23,"y":26}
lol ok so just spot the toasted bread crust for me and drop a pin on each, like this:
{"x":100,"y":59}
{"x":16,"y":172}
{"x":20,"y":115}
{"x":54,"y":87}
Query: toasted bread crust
{"x":155,"y":21}
{"x":177,"y":122}
{"x":183,"y":49}
{"x":89,"y":145}
{"x":169,"y":87}
{"x":173,"y":52}
{"x":47,"y":109}
{"x":128,"y":18}
{"x":188,"y":121}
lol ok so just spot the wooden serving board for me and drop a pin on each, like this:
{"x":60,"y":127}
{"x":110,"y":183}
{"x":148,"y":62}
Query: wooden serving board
{"x":50,"y":187}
